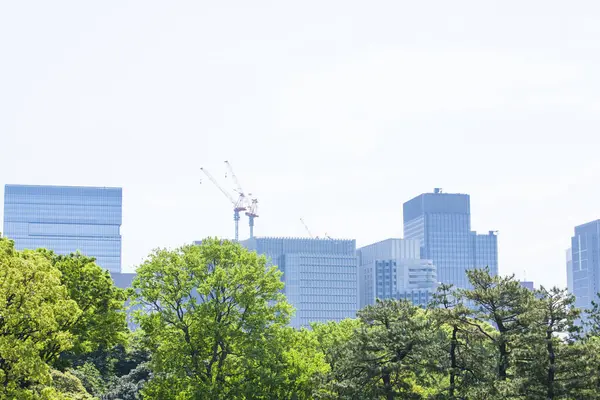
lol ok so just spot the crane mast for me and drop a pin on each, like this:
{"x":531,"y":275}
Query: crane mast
{"x":238,"y":205}
{"x":251,"y":205}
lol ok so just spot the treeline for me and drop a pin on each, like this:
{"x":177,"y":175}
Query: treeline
{"x":213,"y":325}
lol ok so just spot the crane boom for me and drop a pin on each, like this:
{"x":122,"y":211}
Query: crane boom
{"x":238,"y":187}
{"x":306,"y":227}
{"x":214,"y":181}
{"x":238,"y":205}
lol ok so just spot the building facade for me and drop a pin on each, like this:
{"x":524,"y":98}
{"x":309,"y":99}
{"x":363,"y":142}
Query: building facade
{"x":485,"y":251}
{"x":441,"y":222}
{"x":66,"y":219}
{"x":320,"y":276}
{"x":393,"y":269}
{"x":569,"y":257}
{"x":527,"y":285}
{"x":585,"y":264}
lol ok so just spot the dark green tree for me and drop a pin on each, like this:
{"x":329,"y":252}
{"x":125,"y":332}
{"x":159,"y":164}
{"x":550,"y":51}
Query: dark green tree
{"x":503,"y":302}
{"x":468,"y":356}
{"x":550,"y":361}
{"x":390,"y":355}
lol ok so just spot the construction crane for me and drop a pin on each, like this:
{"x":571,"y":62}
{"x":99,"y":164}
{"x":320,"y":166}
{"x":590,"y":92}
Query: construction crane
{"x":251,"y":204}
{"x":306,"y":227}
{"x":238,"y":205}
{"x":252,"y":213}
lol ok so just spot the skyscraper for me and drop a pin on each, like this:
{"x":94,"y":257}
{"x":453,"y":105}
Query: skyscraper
{"x":66,"y":219}
{"x":442,"y":224}
{"x":320,"y":276}
{"x":393,"y":269}
{"x":569,"y":270}
{"x":585,"y":263}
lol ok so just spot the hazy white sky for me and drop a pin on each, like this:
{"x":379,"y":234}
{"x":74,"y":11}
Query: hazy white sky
{"x":334,"y":111}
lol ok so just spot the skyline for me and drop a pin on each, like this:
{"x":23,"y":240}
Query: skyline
{"x":335,"y":112}
{"x":131,"y":270}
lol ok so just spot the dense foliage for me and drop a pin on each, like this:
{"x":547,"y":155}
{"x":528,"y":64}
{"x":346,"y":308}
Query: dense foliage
{"x":213,"y":325}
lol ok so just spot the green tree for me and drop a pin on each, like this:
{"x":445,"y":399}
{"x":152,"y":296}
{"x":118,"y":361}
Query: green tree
{"x":390,"y":355}
{"x":468,"y":357}
{"x":208,"y":311}
{"x":507,"y":305}
{"x":333,"y":342}
{"x":102,"y":321}
{"x":65,"y":386}
{"x":550,"y":361}
{"x":34,"y":305}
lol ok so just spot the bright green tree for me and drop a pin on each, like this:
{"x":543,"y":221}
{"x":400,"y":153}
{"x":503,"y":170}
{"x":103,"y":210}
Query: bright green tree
{"x":209,"y":312}
{"x":34,"y":305}
{"x":102,"y":321}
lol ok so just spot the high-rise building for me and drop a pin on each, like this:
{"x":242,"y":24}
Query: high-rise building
{"x":527,"y":285}
{"x":485,"y":251}
{"x":569,"y":270}
{"x":442,"y":224}
{"x":585,"y":264}
{"x":320,"y":276}
{"x":393,"y":269}
{"x":66,"y":219}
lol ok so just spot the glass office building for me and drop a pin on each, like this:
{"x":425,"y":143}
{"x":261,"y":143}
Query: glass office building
{"x":320,"y":276}
{"x":66,"y":219}
{"x":392,"y":269}
{"x":485,"y":251}
{"x":569,"y":270}
{"x":585,"y":264}
{"x":442,"y":224}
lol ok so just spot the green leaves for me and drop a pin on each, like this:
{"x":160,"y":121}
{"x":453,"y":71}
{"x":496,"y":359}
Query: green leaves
{"x":102,"y":321}
{"x":33,"y":308}
{"x":53,"y":309}
{"x":213,"y":324}
{"x":208,"y":313}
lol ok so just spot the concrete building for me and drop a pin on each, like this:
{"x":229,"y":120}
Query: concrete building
{"x":441,"y":222}
{"x":66,"y":219}
{"x":585,"y":264}
{"x":320,"y":275}
{"x":392,"y":269}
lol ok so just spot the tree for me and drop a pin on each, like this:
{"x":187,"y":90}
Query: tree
{"x":390,"y":355}
{"x":34,"y":306}
{"x":507,"y":305}
{"x":333,"y":342}
{"x":468,"y":358}
{"x":550,"y":361}
{"x":64,"y":386}
{"x":129,"y":386}
{"x":591,"y":322}
{"x":208,"y":311}
{"x":102,"y":321}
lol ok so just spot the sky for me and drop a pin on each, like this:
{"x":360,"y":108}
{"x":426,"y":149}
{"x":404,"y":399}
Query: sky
{"x":336,"y":112}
